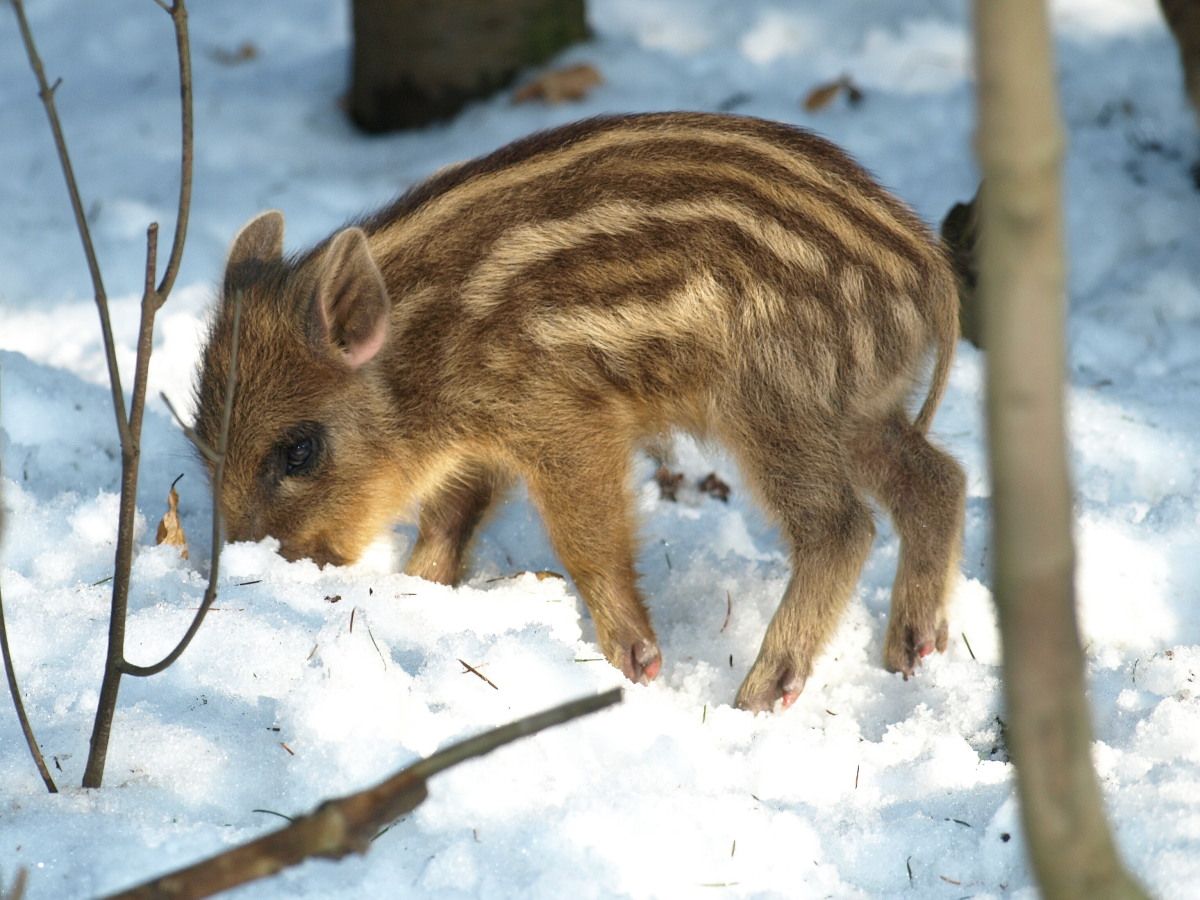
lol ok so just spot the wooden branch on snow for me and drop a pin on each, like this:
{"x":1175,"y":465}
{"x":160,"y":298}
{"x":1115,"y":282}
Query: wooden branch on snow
{"x":347,"y":825}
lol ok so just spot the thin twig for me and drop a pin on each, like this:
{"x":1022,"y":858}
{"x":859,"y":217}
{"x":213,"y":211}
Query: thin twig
{"x":15,"y":692}
{"x":18,"y":889}
{"x":506,"y":734}
{"x":46,"y":93}
{"x":179,"y":16}
{"x":382,"y":658}
{"x":188,"y":432}
{"x":16,"y":695}
{"x":467,"y":667}
{"x":218,"y":456}
{"x":131,"y":427}
{"x":272,"y":812}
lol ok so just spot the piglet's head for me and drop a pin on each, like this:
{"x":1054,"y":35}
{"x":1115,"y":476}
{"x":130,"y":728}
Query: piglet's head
{"x":307,"y":458}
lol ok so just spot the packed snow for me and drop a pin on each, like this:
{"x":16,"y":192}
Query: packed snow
{"x":869,"y":787}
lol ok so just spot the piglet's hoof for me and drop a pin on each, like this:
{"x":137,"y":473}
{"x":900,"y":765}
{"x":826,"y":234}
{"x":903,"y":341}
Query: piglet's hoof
{"x":762,"y":690}
{"x":641,"y":662}
{"x":904,"y":650}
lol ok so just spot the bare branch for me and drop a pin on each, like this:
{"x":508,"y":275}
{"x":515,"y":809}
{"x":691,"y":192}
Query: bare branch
{"x":179,"y":16}
{"x":131,"y":451}
{"x":347,"y":825}
{"x":46,"y":92}
{"x":18,"y":889}
{"x":128,"y":423}
{"x":152,"y":301}
{"x":145,"y":347}
{"x":151,"y":259}
{"x":506,"y":734}
{"x":14,"y":690}
{"x":206,"y":451}
{"x":467,"y":667}
{"x":218,"y":480}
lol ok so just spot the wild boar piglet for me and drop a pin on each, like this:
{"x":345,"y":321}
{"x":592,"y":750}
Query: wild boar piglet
{"x":542,"y":312}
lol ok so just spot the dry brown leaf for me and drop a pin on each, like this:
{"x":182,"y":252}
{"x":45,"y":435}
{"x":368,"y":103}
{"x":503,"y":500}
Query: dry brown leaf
{"x":668,"y":483}
{"x":558,"y":85}
{"x":715,"y":487}
{"x":245,"y":52}
{"x":824,"y":94}
{"x":170,"y":530}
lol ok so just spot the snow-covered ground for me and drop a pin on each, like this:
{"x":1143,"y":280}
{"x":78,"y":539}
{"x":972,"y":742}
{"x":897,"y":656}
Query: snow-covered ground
{"x":869,"y":787}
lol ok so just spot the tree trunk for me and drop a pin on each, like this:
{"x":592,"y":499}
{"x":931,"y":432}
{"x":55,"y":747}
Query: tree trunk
{"x":1021,"y":283}
{"x":417,"y":61}
{"x":1184,"y":18}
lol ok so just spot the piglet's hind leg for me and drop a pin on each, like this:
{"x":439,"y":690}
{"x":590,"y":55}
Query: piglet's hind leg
{"x":798,"y":471}
{"x":923,"y":489}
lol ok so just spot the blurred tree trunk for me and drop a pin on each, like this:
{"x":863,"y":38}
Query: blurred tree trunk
{"x":1184,"y":18}
{"x":1020,"y":145}
{"x":418,"y":61}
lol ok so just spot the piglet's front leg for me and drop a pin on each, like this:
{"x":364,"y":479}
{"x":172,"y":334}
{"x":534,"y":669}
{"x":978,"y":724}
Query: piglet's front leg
{"x":623,"y":627}
{"x":448,"y":519}
{"x":579,"y":487}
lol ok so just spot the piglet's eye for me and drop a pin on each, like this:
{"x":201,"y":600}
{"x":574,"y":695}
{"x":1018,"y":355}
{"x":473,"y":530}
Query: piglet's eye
{"x":300,"y":456}
{"x":299,"y":453}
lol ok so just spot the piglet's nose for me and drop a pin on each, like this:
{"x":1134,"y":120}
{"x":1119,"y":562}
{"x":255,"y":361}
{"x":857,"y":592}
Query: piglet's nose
{"x":241,"y":529}
{"x":320,"y":553}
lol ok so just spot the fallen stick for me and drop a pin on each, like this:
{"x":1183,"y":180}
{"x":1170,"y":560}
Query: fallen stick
{"x":348,"y":824}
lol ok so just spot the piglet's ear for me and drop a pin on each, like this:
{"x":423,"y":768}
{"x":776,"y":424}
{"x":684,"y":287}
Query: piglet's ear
{"x":351,"y":306}
{"x":260,"y":240}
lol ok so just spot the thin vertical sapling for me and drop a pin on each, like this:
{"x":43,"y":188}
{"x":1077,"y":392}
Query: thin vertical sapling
{"x":129,"y":422}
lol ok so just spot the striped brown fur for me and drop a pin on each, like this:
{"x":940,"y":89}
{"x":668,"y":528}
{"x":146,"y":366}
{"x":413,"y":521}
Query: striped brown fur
{"x":543,"y":311}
